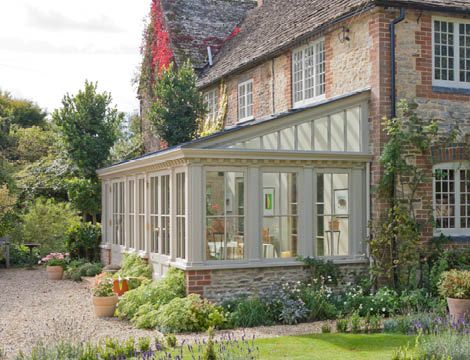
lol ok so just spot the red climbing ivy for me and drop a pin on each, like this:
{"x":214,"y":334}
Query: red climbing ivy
{"x":161,"y":53}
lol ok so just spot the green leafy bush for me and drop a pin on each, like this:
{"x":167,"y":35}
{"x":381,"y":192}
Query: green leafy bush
{"x":19,"y":255}
{"x":342,"y":325}
{"x":155,"y":294}
{"x":83,"y":241}
{"x":78,"y":268}
{"x":134,"y":266}
{"x":189,"y":314}
{"x":249,"y":312}
{"x":103,"y":289}
{"x":46,"y":222}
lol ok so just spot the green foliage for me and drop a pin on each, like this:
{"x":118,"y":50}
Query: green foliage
{"x":20,"y":256}
{"x":134,"y":266}
{"x":130,"y":143}
{"x":103,"y":289}
{"x":32,"y":143}
{"x":87,"y":127}
{"x":83,"y":240}
{"x":248,"y":312}
{"x":326,"y":328}
{"x":151,"y":295}
{"x":78,"y":268}
{"x":355,"y":323}
{"x":85,"y":195}
{"x":342,"y":325}
{"x":455,"y":284}
{"x":209,"y":352}
{"x":319,"y":268}
{"x":177,"y":106}
{"x":170,"y":340}
{"x":189,"y":314}
{"x":396,"y":236}
{"x":444,"y":346}
{"x":46,"y":222}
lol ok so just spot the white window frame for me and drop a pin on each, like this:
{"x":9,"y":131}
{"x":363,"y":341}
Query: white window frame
{"x":456,"y":83}
{"x":130,"y":245}
{"x":140,"y":240}
{"x":317,"y":97}
{"x":181,"y":247}
{"x":456,"y":166}
{"x":120,"y":198}
{"x":244,"y":95}
{"x":212,"y":104}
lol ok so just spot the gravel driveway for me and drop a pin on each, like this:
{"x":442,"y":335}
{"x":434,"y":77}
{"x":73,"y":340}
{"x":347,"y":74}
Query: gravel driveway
{"x":34,"y":309}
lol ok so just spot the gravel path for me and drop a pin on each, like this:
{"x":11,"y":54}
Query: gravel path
{"x":34,"y":309}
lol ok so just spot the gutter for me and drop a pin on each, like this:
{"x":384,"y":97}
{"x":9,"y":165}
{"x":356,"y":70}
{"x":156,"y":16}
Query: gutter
{"x":393,"y":95}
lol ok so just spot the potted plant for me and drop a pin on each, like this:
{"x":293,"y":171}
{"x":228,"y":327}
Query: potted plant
{"x":104,"y":299}
{"x":55,"y":263}
{"x":455,"y":286}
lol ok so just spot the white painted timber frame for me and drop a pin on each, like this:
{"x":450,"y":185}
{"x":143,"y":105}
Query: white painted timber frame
{"x":195,"y":159}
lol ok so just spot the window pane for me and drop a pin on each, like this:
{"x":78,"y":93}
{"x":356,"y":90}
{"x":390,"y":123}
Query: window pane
{"x":464,"y":52}
{"x":332,"y":218}
{"x":181,"y":215}
{"x":270,"y":141}
{"x":225,"y":226}
{"x":444,"y":198}
{"x":444,"y":51}
{"x":287,"y":139}
{"x":279,"y":232}
{"x":253,"y":144}
{"x":298,"y":76}
{"x":337,"y":132}
{"x":353,"y":121}
{"x":309,"y":72}
{"x":304,"y":136}
{"x":320,"y":134}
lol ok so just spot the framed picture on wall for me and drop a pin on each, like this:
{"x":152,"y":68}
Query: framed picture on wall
{"x":341,"y":201}
{"x":268,"y":201}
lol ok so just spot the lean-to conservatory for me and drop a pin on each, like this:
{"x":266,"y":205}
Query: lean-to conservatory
{"x":256,"y":195}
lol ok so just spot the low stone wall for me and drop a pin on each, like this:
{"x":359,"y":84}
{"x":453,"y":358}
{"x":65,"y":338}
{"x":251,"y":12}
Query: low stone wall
{"x":222,"y":284}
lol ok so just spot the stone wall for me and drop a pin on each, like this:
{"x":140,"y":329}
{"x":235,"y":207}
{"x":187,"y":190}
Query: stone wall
{"x":220,"y":285}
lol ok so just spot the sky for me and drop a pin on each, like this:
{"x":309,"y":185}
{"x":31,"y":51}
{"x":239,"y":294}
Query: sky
{"x":50,"y":47}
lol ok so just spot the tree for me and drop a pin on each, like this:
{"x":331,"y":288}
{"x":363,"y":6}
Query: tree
{"x":177,"y":106}
{"x":129,"y":143}
{"x":85,"y":195}
{"x":87,"y":127}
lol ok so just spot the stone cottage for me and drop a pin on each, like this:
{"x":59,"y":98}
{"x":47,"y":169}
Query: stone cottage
{"x":300,"y":88}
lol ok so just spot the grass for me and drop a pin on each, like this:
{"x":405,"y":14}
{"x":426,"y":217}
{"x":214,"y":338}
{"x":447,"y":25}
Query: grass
{"x":332,"y":346}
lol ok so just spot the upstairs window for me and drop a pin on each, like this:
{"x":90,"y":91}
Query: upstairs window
{"x":210,"y":100}
{"x":308,"y":73}
{"x":451,"y":53}
{"x":245,"y":100}
{"x":452,"y":199}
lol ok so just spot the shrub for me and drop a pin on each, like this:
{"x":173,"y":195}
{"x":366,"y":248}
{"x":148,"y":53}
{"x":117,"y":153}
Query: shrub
{"x":135,"y":267}
{"x":250,"y":312}
{"x":326,"y":328}
{"x":46,"y":222}
{"x":319,"y":302}
{"x":19,"y":255}
{"x":342,"y":325}
{"x":455,"y":284}
{"x":355,"y":323}
{"x":155,"y":294}
{"x":145,"y":317}
{"x":77,"y":268}
{"x":83,"y":241}
{"x":189,"y":314}
{"x":319,"y":268}
{"x":418,"y":300}
{"x":447,"y":345}
{"x":55,"y":259}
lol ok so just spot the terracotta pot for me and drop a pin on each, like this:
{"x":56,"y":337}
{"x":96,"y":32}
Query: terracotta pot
{"x":54,"y":272}
{"x":105,"y":306}
{"x":120,"y":287}
{"x":458,"y":308}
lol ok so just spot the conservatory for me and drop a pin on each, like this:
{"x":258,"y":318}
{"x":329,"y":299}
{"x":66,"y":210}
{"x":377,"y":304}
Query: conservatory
{"x":259,"y":194}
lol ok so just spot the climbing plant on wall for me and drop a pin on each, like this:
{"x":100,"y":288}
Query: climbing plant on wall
{"x":396,"y":236}
{"x":207,"y":127}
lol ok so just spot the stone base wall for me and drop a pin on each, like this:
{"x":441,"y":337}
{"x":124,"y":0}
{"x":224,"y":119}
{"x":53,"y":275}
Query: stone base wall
{"x":105,"y":256}
{"x":223,"y":284}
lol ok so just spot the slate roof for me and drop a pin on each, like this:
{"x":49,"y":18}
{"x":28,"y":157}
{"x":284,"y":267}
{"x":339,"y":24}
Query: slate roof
{"x":195,"y":24}
{"x":273,"y":27}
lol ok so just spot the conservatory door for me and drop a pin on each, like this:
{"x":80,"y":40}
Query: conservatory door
{"x":160,"y":214}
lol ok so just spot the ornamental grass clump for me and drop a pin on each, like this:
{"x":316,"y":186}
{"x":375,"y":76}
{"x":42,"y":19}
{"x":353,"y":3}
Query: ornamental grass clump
{"x":455,"y":284}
